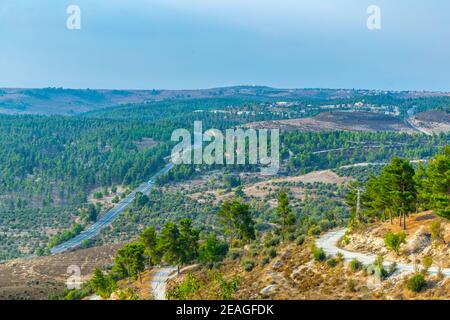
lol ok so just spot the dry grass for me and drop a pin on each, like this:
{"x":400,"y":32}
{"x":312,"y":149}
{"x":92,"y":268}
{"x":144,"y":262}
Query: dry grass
{"x":370,"y":239}
{"x":37,"y":277}
{"x":293,"y":275}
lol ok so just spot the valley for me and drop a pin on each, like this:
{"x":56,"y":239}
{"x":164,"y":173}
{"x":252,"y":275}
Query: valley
{"x":94,"y":188}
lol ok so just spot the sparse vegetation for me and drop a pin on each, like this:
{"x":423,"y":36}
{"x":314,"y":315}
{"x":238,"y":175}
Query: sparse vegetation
{"x":416,"y":283}
{"x":355,"y":265}
{"x":318,"y":254}
{"x":436,"y":231}
{"x":393,"y":241}
{"x":427,"y":262}
{"x":248,"y":265}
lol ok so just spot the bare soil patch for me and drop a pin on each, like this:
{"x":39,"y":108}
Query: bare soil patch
{"x":338,"y":120}
{"x":146,"y":143}
{"x":432,"y":121}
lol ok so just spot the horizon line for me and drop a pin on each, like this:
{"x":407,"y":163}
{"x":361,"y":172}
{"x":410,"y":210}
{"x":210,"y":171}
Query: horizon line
{"x":226,"y":87}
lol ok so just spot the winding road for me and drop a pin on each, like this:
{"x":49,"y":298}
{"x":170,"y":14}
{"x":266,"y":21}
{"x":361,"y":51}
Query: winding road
{"x":107,"y":218}
{"x":328,"y":242}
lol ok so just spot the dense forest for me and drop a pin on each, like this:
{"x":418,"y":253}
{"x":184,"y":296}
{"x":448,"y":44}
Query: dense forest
{"x":58,"y":160}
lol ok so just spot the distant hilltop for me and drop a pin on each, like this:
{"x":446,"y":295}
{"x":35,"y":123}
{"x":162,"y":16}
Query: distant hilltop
{"x":75,"y":101}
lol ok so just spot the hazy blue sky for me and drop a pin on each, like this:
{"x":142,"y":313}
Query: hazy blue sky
{"x":146,"y":44}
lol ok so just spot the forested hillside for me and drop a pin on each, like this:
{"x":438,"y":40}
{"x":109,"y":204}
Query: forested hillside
{"x":58,"y":160}
{"x":49,"y":165}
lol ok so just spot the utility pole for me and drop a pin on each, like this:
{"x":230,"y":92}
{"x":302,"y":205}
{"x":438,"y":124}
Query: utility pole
{"x":358,"y":203}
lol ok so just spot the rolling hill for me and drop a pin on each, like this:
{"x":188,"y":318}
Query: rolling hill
{"x":75,"y":101}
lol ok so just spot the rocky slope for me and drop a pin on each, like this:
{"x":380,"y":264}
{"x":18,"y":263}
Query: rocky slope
{"x":419,"y":242}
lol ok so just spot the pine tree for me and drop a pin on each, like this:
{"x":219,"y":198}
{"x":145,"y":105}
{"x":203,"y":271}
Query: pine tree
{"x":399,"y":187}
{"x":189,"y":237}
{"x":150,"y":240}
{"x":284,"y":211}
{"x":422,"y":191}
{"x":212,"y":249}
{"x":436,"y":186}
{"x":169,"y":244}
{"x":236,"y":217}
{"x":129,"y":261}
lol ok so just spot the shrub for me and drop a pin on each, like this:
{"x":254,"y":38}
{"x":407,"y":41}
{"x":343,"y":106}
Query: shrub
{"x":436,"y":231}
{"x":227,"y":288}
{"x":332,"y":262}
{"x":264,"y":261}
{"x":291,"y":237}
{"x":416,"y":283}
{"x":272,"y":241}
{"x":392,"y":268}
{"x":128,"y":294}
{"x":393,"y":241}
{"x":319,"y":254}
{"x":314,"y":231}
{"x":98,"y":195}
{"x":355,"y":265}
{"x":377,"y":269}
{"x":235,"y":254}
{"x":212,"y":250}
{"x":248,"y":265}
{"x":235,"y":243}
{"x":185,"y":289}
{"x":75,"y":294}
{"x":351,"y":285}
{"x":300,"y":240}
{"x":427,"y":262}
{"x":254,"y":253}
{"x":102,"y":284}
{"x":271,"y":252}
{"x":325,"y":225}
{"x":380,"y":272}
{"x":346,"y":240}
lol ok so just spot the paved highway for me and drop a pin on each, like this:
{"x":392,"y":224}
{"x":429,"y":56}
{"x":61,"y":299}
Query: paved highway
{"x":107,"y":218}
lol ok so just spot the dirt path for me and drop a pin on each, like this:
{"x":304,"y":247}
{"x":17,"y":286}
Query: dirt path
{"x":328,"y":242}
{"x":159,"y":280}
{"x":412,"y":125}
